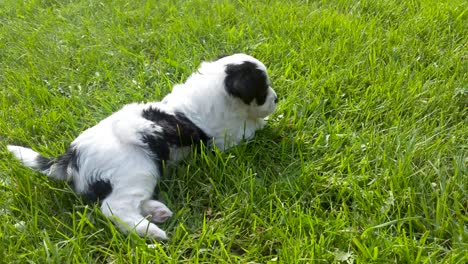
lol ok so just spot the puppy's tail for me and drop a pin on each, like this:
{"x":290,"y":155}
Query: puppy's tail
{"x":53,"y":168}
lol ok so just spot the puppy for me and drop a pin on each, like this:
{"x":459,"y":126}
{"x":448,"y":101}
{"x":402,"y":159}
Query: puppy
{"x":119,"y":161}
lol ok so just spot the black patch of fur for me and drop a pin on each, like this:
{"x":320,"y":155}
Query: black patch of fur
{"x":69,"y":158}
{"x":160,"y":149}
{"x":246,"y":82}
{"x":44,"y":163}
{"x":177,"y":131}
{"x":98,"y":190}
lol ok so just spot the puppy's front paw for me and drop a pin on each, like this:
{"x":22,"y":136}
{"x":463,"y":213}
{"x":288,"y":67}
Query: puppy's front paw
{"x":261,"y":123}
{"x":150,"y":230}
{"x":156,"y":211}
{"x":156,"y":233}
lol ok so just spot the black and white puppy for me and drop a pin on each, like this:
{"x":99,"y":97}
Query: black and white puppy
{"x":119,"y":160}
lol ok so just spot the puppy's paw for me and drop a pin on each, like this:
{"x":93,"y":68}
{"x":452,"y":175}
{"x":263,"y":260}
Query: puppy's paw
{"x":150,"y":230}
{"x":156,"y":211}
{"x":261,"y":123}
{"x":157,"y":233}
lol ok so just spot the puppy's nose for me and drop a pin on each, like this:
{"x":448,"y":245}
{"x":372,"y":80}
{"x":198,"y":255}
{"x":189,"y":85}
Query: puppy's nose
{"x":276,"y":99}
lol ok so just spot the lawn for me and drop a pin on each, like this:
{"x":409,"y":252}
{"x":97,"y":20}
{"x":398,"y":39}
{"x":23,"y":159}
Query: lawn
{"x":364,"y":161}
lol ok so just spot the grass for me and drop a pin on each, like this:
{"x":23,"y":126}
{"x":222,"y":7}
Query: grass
{"x":364,"y":161}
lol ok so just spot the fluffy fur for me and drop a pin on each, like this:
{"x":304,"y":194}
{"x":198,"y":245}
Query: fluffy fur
{"x":119,"y":160}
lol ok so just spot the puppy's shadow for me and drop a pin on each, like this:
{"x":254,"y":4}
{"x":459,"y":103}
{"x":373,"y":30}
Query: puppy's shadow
{"x":206,"y":183}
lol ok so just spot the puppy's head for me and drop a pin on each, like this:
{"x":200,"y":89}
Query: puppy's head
{"x":246,"y":80}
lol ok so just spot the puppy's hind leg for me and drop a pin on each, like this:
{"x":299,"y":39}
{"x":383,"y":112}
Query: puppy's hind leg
{"x":157,"y":211}
{"x":124,"y":211}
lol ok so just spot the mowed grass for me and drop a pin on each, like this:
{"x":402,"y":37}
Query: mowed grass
{"x":364,"y":161}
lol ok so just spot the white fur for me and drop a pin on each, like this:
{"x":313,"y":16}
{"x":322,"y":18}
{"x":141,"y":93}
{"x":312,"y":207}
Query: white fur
{"x":27,"y":156}
{"x":114,"y":146}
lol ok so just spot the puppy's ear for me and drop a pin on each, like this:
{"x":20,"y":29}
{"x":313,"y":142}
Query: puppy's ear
{"x":247,"y":82}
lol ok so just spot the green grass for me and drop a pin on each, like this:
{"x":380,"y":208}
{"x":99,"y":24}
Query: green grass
{"x":364,"y":161}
